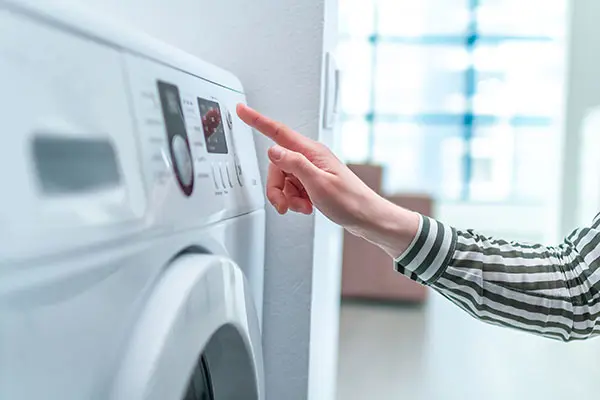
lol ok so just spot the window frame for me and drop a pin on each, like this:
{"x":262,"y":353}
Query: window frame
{"x":469,"y":120}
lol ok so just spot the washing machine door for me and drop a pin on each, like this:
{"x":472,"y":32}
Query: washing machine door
{"x":198,"y":337}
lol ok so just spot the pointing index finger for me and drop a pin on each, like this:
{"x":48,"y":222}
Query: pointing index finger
{"x":279,"y":133}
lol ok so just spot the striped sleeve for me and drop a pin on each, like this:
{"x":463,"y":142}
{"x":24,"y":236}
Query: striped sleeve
{"x":550,"y":291}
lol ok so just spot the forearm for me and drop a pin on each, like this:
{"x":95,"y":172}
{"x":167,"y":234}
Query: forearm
{"x":423,"y":244}
{"x":552,"y":291}
{"x":387,"y":225}
{"x":535,"y":288}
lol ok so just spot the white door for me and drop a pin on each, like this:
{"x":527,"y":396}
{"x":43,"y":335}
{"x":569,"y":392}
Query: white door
{"x":197,"y":338}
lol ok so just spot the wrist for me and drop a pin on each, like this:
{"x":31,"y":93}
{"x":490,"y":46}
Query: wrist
{"x":387,"y":225}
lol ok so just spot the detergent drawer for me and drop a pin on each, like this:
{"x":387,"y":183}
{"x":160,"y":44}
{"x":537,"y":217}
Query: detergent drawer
{"x":69,"y":156}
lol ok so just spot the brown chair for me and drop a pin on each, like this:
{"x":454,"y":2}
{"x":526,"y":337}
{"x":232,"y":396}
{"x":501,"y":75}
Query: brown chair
{"x":367,"y":271}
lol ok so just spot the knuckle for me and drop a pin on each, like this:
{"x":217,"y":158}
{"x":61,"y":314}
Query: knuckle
{"x":298,"y":161}
{"x":293,"y":158}
{"x":318,"y":150}
{"x":321,"y":147}
{"x":272,"y":194}
{"x":278,"y":130}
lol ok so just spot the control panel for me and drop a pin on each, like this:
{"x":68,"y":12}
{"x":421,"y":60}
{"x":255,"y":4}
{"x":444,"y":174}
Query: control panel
{"x":196,"y":153}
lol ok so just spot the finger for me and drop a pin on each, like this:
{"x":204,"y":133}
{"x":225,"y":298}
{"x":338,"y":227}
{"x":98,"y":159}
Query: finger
{"x":295,"y":199}
{"x":275,"y":186}
{"x":290,"y":190}
{"x":294,"y":163}
{"x":301,"y":205}
{"x":279,"y":133}
{"x":299,"y":190}
{"x":295,"y":181}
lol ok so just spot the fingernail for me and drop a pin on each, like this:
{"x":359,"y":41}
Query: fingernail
{"x":275,"y":206}
{"x":277,"y":153}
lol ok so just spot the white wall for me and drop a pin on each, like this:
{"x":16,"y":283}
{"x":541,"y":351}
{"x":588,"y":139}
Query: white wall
{"x":583,"y":92}
{"x":276,"y":48}
{"x":326,"y":266}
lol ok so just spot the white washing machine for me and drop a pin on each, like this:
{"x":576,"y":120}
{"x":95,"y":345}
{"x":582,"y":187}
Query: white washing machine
{"x":131,"y":217}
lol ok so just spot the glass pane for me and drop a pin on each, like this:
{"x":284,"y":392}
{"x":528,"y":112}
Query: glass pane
{"x":422,"y":17}
{"x":523,"y":18}
{"x":420,"y":158}
{"x":355,"y":63}
{"x":420,"y":79}
{"x":356,"y":18}
{"x":492,"y":152}
{"x":200,"y":386}
{"x":514,"y":163}
{"x":510,"y":81}
{"x":536,"y":152}
{"x":355,"y":140}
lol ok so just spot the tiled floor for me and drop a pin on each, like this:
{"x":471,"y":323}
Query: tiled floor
{"x":439,"y":352}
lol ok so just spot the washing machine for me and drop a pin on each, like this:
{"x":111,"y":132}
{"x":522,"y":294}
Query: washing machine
{"x":131,"y":217}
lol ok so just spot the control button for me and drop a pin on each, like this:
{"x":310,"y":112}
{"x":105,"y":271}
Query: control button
{"x":183,"y":160}
{"x":149,"y":100}
{"x":238,"y":172}
{"x":157,"y":140}
{"x":214,"y":175}
{"x":229,"y":120}
{"x":229,"y":176}
{"x":151,"y":121}
{"x":222,"y":177}
{"x":188,"y":107}
{"x":160,"y":176}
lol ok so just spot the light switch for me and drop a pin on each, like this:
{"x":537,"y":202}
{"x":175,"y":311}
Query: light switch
{"x":332,"y":87}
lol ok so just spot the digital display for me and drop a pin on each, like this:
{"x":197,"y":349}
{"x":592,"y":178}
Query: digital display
{"x":212,"y":123}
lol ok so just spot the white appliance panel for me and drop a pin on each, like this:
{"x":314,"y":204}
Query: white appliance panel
{"x":62,"y":92}
{"x":88,"y":143}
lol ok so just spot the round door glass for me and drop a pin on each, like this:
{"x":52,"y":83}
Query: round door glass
{"x":200,"y":386}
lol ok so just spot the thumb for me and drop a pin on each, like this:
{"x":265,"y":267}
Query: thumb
{"x":293,"y":163}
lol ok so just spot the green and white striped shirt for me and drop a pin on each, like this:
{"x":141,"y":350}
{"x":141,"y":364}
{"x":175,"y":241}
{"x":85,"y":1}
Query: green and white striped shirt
{"x":551,"y":291}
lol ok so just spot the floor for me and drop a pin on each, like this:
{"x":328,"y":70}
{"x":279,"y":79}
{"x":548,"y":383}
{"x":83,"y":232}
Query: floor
{"x":439,"y":352}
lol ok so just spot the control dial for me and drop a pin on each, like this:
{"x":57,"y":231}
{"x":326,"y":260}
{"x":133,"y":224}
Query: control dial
{"x":182,"y":160}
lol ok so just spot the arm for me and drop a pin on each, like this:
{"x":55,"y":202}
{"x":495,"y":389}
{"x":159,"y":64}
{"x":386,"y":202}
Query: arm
{"x":552,"y":291}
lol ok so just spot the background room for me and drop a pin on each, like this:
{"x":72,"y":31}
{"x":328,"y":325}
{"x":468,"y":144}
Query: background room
{"x":472,"y":112}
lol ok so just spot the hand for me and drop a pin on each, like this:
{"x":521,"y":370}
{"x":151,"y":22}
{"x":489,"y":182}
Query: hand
{"x":304,"y":174}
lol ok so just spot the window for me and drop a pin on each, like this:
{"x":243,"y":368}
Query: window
{"x":461,"y":99}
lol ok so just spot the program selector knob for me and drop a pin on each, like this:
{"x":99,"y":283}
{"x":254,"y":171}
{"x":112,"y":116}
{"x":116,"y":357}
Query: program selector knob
{"x":183,"y":160}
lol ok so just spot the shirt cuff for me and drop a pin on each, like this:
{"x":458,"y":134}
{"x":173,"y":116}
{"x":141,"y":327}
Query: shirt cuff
{"x":430,"y":252}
